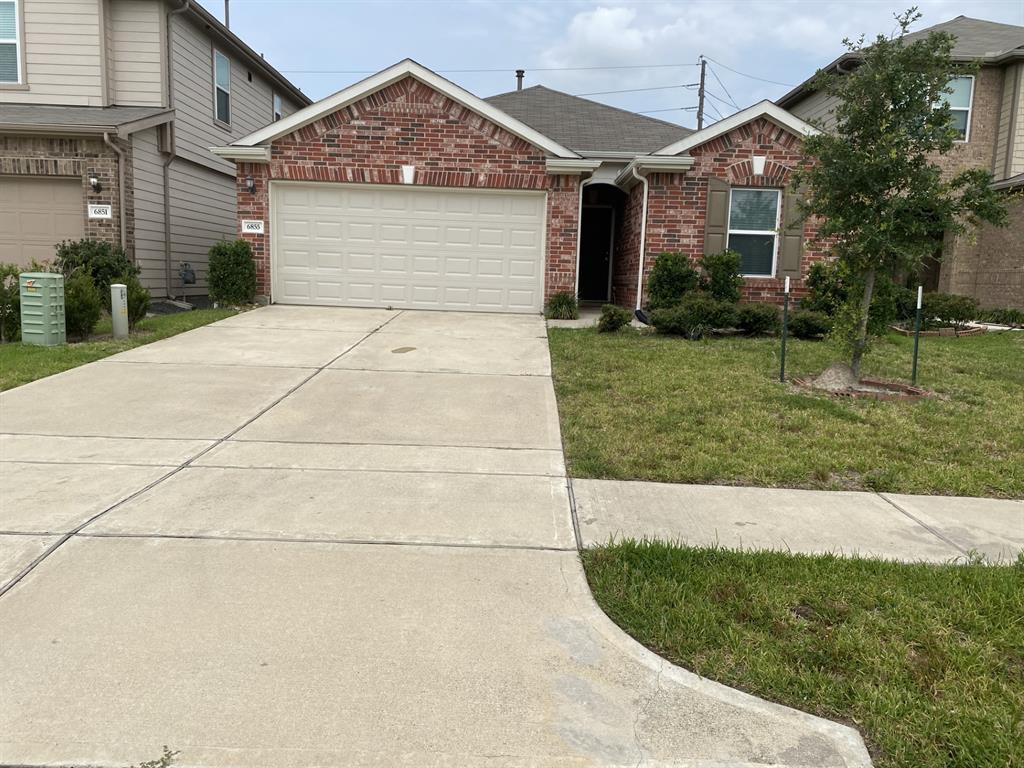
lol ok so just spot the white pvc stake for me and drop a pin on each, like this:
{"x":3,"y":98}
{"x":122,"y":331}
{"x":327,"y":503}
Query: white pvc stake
{"x":920,"y":290}
{"x":787,"y":286}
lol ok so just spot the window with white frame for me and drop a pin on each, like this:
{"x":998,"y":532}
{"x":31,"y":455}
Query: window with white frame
{"x":278,"y":114}
{"x":960,"y":101}
{"x":754,"y":229}
{"x":10,"y":44}
{"x":221,"y":87}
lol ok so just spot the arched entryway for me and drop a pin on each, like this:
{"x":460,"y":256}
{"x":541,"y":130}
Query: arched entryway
{"x":600,"y":226}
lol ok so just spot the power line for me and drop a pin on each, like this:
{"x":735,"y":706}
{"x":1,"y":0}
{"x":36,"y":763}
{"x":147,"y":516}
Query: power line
{"x":744,"y":74}
{"x":464,"y":71}
{"x":715,"y":75}
{"x":673,"y":109}
{"x":717,"y":110}
{"x":637,"y":90}
{"x":719,"y":99}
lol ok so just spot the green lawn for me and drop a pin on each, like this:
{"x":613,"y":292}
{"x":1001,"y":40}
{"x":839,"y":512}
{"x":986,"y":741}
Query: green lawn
{"x":649,"y":407}
{"x":21,"y":363}
{"x":927,"y":661}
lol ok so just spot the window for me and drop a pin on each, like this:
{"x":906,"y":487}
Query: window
{"x":222,"y":87}
{"x":753,"y":229}
{"x":10,"y":55}
{"x":277,"y":107}
{"x":960,"y":104}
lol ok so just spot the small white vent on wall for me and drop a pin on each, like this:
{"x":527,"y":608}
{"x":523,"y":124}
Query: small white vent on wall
{"x":408,"y":174}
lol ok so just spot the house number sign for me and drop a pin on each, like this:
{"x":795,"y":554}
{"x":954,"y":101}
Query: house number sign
{"x":100,"y":211}
{"x":252,"y":226}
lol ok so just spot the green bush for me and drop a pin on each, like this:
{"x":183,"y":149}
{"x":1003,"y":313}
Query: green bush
{"x":948,"y":310}
{"x":757,"y":319}
{"x":722,"y":275}
{"x":831,"y":288}
{"x":102,"y":262}
{"x":613,"y":318}
{"x":1011,"y":317}
{"x":808,"y":324}
{"x":10,"y":302}
{"x":561,"y":306}
{"x":138,"y":299}
{"x":672,"y":277}
{"x":231,"y":275}
{"x":82,"y":305}
{"x":694,"y":317}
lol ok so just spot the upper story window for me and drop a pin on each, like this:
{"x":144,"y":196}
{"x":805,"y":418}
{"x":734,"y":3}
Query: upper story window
{"x":222,"y":87}
{"x":754,"y":229}
{"x":278,"y":113}
{"x":10,"y":44}
{"x":960,"y":101}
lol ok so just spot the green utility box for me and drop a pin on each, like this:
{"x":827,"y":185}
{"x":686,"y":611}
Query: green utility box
{"x":42,"y":308}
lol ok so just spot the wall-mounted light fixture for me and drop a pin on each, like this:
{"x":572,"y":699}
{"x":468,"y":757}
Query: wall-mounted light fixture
{"x":250,"y":184}
{"x":758,"y":163}
{"x":94,"y":184}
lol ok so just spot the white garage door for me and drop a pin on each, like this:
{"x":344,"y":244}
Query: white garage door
{"x":407,"y":247}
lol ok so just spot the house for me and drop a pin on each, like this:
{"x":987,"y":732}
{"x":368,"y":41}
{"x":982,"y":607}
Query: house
{"x":406,"y":190}
{"x":988,"y":109}
{"x":107,"y":110}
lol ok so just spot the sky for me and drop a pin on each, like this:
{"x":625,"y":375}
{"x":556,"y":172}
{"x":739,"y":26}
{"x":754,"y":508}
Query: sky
{"x":756,"y":50}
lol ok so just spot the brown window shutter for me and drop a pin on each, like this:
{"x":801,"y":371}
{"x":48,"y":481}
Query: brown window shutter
{"x":792,"y":246}
{"x":716,"y":221}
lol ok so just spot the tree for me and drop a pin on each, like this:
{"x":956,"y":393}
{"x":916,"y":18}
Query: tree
{"x":872,"y":178}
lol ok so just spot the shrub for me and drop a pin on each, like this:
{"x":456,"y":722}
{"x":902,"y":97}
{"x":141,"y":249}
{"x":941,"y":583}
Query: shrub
{"x":82,"y":305}
{"x":722,"y":276}
{"x":831,"y":289}
{"x":231,"y":275}
{"x":562,"y":306}
{"x":756,"y":319}
{"x":672,"y":277}
{"x":1011,"y":317}
{"x":101,"y":262}
{"x":613,"y":318}
{"x":138,"y":299}
{"x":948,"y":309}
{"x":694,"y":317}
{"x":808,"y":324}
{"x":10,"y":302}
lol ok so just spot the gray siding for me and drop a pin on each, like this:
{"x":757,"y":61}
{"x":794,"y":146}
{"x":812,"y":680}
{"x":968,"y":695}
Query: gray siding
{"x":135,"y":42}
{"x":203,"y":208}
{"x":147,"y":177}
{"x":816,"y":109}
{"x":64,"y":59}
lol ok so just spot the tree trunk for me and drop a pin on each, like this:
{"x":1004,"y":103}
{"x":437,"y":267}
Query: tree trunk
{"x":861,"y":341}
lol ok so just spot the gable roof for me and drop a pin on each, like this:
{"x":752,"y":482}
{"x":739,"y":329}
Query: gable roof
{"x":587,"y":126}
{"x":765,"y":108}
{"x":976,"y":40}
{"x":384,"y":78}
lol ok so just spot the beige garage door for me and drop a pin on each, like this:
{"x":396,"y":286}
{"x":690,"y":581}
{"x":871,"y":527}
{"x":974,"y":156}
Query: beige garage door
{"x":36,"y":213}
{"x":407,"y":247}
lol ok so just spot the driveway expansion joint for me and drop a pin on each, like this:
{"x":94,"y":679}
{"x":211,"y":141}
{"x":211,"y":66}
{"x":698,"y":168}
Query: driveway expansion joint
{"x":935,"y":532}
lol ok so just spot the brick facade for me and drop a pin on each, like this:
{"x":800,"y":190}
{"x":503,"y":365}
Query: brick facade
{"x":626,"y":261}
{"x":79,"y":158}
{"x":409,"y":123}
{"x":979,"y":149}
{"x":677,"y":203}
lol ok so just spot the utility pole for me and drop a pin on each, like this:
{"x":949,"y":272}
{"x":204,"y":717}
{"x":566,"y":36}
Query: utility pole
{"x":700,"y":93}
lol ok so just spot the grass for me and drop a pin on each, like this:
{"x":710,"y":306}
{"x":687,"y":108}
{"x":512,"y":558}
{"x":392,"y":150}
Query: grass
{"x":927,"y":661}
{"x":647,"y":407}
{"x":22,"y":363}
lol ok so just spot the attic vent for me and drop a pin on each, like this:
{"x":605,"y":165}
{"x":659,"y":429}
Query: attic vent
{"x":249,"y":75}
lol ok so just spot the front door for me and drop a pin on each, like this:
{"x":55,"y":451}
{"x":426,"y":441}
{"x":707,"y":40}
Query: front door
{"x":596,"y":233}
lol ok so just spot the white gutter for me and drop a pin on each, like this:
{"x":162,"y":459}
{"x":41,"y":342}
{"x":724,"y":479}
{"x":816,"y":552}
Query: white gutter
{"x":570,"y":166}
{"x":257,"y":154}
{"x":643,"y":236}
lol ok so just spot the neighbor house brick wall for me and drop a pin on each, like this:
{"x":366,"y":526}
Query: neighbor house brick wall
{"x":987,"y":264}
{"x":409,"y":123}
{"x":677,"y":202}
{"x":77,"y":158}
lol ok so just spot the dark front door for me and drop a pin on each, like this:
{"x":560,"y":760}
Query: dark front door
{"x":596,"y":252}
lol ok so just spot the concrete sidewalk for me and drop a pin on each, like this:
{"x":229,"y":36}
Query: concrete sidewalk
{"x":892,"y":526}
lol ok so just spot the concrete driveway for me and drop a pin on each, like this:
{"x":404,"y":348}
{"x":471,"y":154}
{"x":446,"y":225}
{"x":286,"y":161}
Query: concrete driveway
{"x":309,"y":536}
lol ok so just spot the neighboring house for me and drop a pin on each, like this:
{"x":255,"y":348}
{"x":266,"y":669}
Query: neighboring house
{"x":406,"y":190}
{"x":113,"y":104}
{"x":988,"y":110}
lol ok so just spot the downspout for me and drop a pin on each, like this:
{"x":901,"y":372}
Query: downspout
{"x":643,"y":238}
{"x":172,"y":147}
{"x":120,"y":188}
